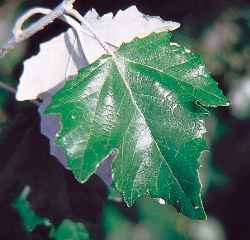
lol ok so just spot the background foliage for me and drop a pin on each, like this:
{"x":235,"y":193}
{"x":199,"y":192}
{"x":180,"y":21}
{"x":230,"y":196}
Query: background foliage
{"x":220,"y":31}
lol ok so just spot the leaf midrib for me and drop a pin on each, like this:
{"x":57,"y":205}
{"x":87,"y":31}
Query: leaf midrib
{"x":111,"y":58}
{"x":140,"y":112}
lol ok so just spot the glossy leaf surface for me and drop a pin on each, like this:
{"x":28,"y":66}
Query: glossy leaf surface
{"x":147,"y":103}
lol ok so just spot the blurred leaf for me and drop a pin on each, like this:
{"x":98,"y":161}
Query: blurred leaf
{"x":155,"y":222}
{"x":162,"y":220}
{"x":30,"y":219}
{"x":211,"y":229}
{"x":69,"y":230}
{"x":114,"y":220}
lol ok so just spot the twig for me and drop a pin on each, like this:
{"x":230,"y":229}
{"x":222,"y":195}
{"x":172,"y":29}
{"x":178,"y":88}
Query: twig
{"x":10,"y":89}
{"x":61,"y":11}
{"x":17,"y":29}
{"x":66,"y":18}
{"x":21,"y":35}
{"x":7,"y":87}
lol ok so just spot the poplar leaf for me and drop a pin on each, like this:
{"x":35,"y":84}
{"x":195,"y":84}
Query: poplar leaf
{"x":146,"y":103}
{"x":64,"y":55}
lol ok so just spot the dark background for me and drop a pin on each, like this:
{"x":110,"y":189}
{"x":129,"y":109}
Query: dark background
{"x":25,"y":158}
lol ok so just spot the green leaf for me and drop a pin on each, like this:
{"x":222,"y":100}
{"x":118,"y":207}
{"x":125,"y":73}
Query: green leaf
{"x":70,"y":230}
{"x":30,"y":219}
{"x":115,"y":224}
{"x":146,"y":102}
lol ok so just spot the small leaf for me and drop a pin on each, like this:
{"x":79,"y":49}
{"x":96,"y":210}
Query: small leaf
{"x":30,"y":219}
{"x":70,"y":230}
{"x":141,"y":102}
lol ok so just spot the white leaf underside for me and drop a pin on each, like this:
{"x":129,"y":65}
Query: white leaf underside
{"x":65,"y":54}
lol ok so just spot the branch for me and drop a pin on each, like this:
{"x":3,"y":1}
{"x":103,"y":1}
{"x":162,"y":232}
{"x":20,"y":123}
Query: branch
{"x":20,"y":35}
{"x":61,"y":12}
{"x":7,"y":87}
